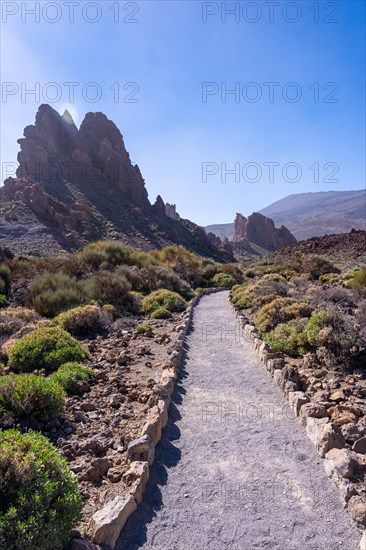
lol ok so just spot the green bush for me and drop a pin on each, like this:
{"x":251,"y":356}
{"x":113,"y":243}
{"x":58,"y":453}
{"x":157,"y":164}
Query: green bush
{"x":106,"y":254}
{"x":39,"y":500}
{"x":161,"y":313}
{"x":83,"y":320}
{"x":3,"y":301}
{"x":315,"y":324}
{"x":24,"y":395}
{"x":279,"y":311}
{"x":55,"y":292}
{"x":288,"y":337}
{"x":163,"y":299}
{"x":69,"y":373}
{"x":155,"y":277}
{"x":107,"y":287}
{"x":358,"y":279}
{"x":142,"y":328}
{"x":223,"y":280}
{"x":45,"y":348}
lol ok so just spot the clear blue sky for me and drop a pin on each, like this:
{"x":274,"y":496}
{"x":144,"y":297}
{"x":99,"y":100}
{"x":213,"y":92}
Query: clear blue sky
{"x":173,"y":128}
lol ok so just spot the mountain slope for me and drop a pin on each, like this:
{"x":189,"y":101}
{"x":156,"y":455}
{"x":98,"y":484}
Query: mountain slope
{"x":74,"y":186}
{"x":309,"y":215}
{"x":314,"y":214}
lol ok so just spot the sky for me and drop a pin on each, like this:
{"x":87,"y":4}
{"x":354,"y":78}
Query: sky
{"x":225,"y":106}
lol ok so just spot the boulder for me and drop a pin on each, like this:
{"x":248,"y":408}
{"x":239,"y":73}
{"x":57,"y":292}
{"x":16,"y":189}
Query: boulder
{"x":107,"y":523}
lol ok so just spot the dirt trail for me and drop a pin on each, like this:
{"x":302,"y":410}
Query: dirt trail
{"x":234,"y":470}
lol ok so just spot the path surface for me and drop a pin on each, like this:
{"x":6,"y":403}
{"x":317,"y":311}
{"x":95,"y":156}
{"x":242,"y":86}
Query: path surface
{"x":234,"y":470}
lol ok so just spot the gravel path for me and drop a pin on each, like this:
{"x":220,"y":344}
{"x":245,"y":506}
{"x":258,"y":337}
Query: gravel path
{"x":234,"y":470}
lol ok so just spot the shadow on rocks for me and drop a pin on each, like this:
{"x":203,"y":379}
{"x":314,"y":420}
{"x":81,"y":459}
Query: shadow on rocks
{"x":133,"y":535}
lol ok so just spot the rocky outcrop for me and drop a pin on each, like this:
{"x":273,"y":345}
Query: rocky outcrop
{"x":74,"y":186}
{"x":171,"y":211}
{"x":261,"y":231}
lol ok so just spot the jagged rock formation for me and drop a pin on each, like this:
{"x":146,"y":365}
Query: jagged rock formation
{"x":171,"y":211}
{"x":76,"y":186}
{"x":260,"y":230}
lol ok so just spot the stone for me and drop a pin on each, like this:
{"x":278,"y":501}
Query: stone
{"x":329,"y":437}
{"x":337,"y":396}
{"x":344,"y":415}
{"x":107,"y":523}
{"x":339,"y":463}
{"x":297,"y":399}
{"x":137,"y":477}
{"x":357,"y":510}
{"x":141,"y":449}
{"x":163,"y":411}
{"x":314,"y":410}
{"x":359,"y":446}
{"x":363,"y":541}
{"x":313,"y":427}
{"x":152,"y":426}
{"x":81,"y":544}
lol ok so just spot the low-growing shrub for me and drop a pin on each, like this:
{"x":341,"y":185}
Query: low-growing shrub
{"x":288,"y":337}
{"x":106,"y":254}
{"x":83,"y":320}
{"x":5,"y":278}
{"x":161,"y":313}
{"x":142,"y":328}
{"x":55,"y":292}
{"x":279,"y":311}
{"x":45,"y":348}
{"x":39,"y":500}
{"x":223,"y":280}
{"x":166,"y":299}
{"x":69,"y":373}
{"x":110,"y":288}
{"x":25,"y":395}
{"x":3,"y":301}
{"x":155,"y":277}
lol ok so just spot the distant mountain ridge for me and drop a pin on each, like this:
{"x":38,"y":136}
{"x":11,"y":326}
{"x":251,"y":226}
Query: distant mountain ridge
{"x":309,"y":215}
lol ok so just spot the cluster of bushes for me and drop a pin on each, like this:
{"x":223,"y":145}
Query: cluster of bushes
{"x":39,"y":499}
{"x":40,"y":502}
{"x":162,"y":303}
{"x":306,"y":304}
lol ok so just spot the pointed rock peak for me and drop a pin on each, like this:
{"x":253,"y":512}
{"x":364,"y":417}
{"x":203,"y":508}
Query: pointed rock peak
{"x":67,"y":117}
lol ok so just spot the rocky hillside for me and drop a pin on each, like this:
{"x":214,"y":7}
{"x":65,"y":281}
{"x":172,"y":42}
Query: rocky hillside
{"x":309,"y":215}
{"x":75,"y":186}
{"x":350,"y":245}
{"x":316,"y":214}
{"x":261,"y":231}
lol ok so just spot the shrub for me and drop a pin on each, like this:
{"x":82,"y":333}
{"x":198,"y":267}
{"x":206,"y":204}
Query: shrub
{"x":55,"y":292}
{"x":155,"y":277}
{"x":110,"y":288}
{"x":45,"y":348}
{"x":163,"y":299}
{"x":106,"y":254}
{"x":5,"y":278}
{"x":69,"y":373}
{"x":83,"y":320}
{"x":142,"y":328}
{"x":279,"y":311}
{"x":358,"y":279}
{"x":223,"y":280}
{"x":40,"y":503}
{"x":188,"y":265}
{"x":24,"y":395}
{"x":317,"y":321}
{"x":161,"y":313}
{"x":3,"y":301}
{"x":288,"y":337}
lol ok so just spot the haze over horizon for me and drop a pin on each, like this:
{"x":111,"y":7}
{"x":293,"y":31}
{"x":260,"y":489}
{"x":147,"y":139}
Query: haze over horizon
{"x":204,"y":99}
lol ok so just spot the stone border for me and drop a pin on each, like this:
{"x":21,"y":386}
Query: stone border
{"x":339,"y":462}
{"x":108,"y":522}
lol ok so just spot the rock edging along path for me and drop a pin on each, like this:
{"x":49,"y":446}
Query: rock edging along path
{"x":234,"y":469}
